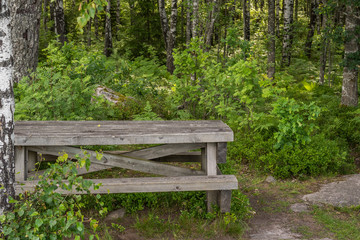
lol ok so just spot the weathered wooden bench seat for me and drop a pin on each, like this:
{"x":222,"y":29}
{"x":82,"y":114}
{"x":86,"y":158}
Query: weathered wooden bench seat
{"x":177,"y":138}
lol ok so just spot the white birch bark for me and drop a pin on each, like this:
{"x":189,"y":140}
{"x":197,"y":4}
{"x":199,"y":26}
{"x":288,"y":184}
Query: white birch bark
{"x":7,"y":165}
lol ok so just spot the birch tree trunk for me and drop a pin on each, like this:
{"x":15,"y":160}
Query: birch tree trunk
{"x":246,"y":13}
{"x":349,"y":94}
{"x":59,"y":21}
{"x":271,"y":44}
{"x":169,"y":34}
{"x":7,"y":105}
{"x":108,"y":37}
{"x":211,"y":22}
{"x":25,"y":36}
{"x":287,"y":40}
{"x":311,"y":26}
{"x":195,"y":22}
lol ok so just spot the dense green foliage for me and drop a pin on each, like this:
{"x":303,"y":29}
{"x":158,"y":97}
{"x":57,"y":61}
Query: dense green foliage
{"x":47,"y":214}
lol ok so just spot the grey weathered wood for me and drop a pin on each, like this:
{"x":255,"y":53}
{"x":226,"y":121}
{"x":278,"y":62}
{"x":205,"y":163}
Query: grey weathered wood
{"x":59,"y":133}
{"x":31,"y":160}
{"x":224,"y":200}
{"x":20,"y":166}
{"x":131,"y":163}
{"x":209,"y":166}
{"x":156,"y":184}
{"x":211,"y":155}
{"x":178,"y":157}
{"x":163,"y":150}
{"x":221,"y":152}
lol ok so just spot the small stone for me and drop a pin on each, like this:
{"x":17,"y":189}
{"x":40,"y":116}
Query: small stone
{"x":115,"y":215}
{"x":299,"y":207}
{"x":270,"y":179}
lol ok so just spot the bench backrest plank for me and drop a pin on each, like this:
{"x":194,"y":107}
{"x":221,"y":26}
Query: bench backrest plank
{"x":60,"y":133}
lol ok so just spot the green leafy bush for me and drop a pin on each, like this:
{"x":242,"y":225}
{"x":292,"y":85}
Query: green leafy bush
{"x":47,"y":214}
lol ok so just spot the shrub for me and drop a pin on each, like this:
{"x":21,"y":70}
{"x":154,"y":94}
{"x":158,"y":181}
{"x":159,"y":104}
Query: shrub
{"x":45,"y":213}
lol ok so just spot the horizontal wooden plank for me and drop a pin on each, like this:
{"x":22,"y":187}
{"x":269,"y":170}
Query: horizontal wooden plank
{"x":58,"y":133}
{"x":156,"y":184}
{"x":131,"y":163}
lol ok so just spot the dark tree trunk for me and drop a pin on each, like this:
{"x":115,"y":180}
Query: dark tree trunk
{"x":349,"y":94}
{"x":188,"y":21}
{"x":88,"y":35}
{"x":296,"y":10}
{"x":108,"y":37}
{"x":118,"y":13}
{"x":246,"y":14}
{"x":52,"y":15}
{"x":25,"y":36}
{"x":271,"y":44}
{"x":324,"y":50}
{"x":96,"y":25}
{"x":311,"y":27}
{"x":169,"y":34}
{"x":288,"y":32}
{"x":45,"y":14}
{"x":262,"y":3}
{"x":7,"y":104}
{"x":59,"y":21}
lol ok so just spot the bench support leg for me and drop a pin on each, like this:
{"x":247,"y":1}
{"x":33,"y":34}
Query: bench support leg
{"x":224,"y":200}
{"x":208,"y":164}
{"x":20,"y":163}
{"x":31,"y":160}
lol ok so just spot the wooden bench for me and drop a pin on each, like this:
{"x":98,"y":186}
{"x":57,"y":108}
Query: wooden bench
{"x":177,"y":139}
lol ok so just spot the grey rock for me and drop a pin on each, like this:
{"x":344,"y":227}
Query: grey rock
{"x":274,"y":232}
{"x":114,"y":215}
{"x":341,"y":193}
{"x":299,"y":207}
{"x":270,"y":179}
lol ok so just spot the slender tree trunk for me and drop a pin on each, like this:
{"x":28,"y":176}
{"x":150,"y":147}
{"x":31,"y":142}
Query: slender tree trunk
{"x":7,"y":105}
{"x":262,"y":3}
{"x":169,"y":34}
{"x":195,"y":22}
{"x":277,"y":2}
{"x":271,"y":44}
{"x":188,"y":21}
{"x":96,"y":25}
{"x":108,"y":37}
{"x":246,"y":14}
{"x":210,"y":26}
{"x":324,"y":50}
{"x":59,"y":21}
{"x":311,"y":27}
{"x":25,"y":36}
{"x":296,"y":10}
{"x":118,"y":13}
{"x":287,"y":40}
{"x":89,"y":33}
{"x":45,"y":14}
{"x":349,"y":94}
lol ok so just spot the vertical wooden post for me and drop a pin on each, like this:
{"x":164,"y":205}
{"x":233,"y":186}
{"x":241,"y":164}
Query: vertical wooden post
{"x":20,"y":170}
{"x":31,"y":159}
{"x":208,"y":164}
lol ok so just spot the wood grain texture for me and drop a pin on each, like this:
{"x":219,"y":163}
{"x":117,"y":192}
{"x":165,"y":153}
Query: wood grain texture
{"x":59,"y":133}
{"x":110,"y":160}
{"x":20,"y":166}
{"x":156,"y":184}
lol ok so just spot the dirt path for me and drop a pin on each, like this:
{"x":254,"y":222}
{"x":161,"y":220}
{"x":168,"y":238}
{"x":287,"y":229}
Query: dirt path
{"x":285,"y":209}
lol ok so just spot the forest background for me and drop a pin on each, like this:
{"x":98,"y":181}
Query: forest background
{"x":282,"y":74}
